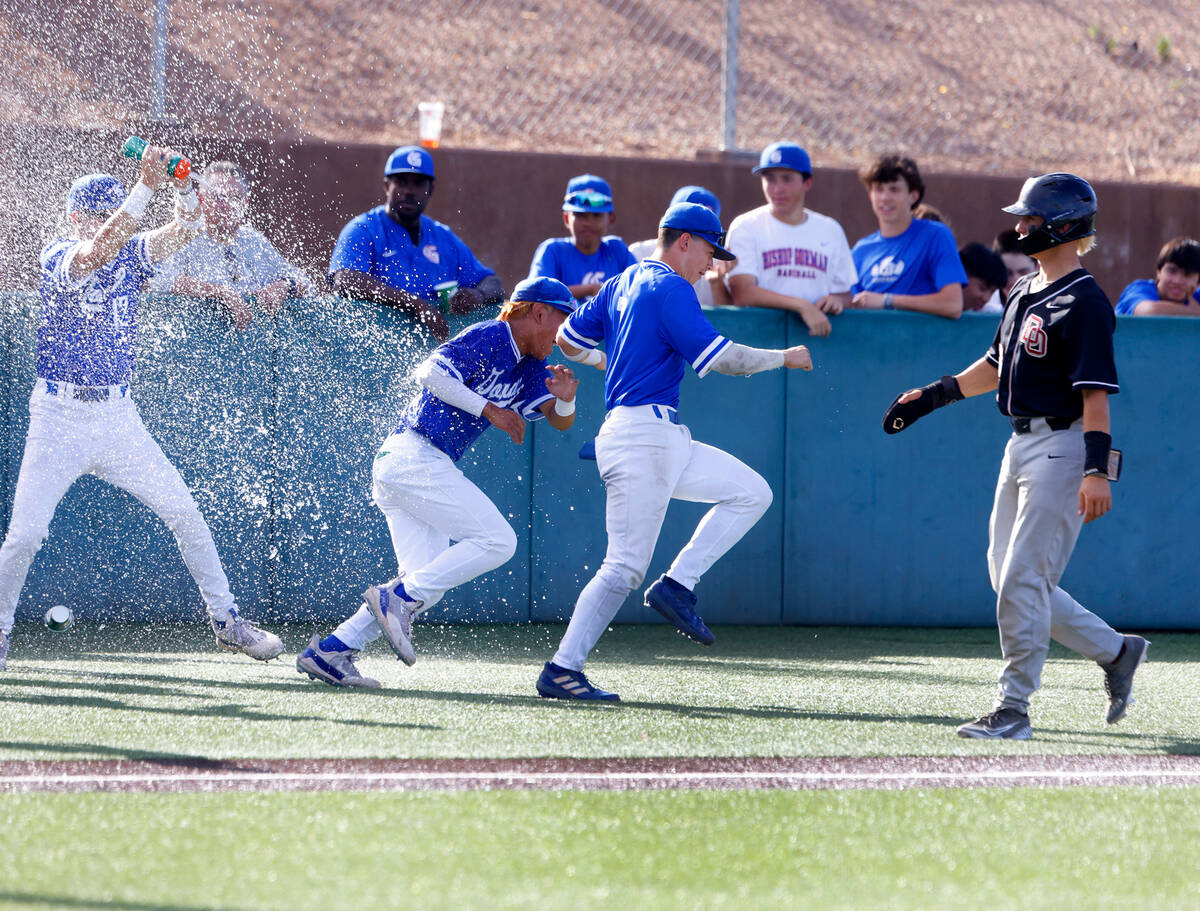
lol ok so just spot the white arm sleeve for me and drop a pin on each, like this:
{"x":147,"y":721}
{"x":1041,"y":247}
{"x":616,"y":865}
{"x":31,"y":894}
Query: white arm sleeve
{"x":451,"y":391}
{"x":740,"y":360}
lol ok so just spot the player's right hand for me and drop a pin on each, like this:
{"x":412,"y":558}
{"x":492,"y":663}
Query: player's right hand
{"x":154,"y":166}
{"x":797,"y":358}
{"x":507,"y":420}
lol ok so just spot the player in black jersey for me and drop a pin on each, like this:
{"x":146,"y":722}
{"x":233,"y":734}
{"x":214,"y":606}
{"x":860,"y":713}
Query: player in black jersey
{"x":1051,"y":364}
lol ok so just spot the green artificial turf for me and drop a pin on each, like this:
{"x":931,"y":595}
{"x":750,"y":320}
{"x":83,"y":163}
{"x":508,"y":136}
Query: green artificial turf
{"x":140,"y":691}
{"x":988,"y":849}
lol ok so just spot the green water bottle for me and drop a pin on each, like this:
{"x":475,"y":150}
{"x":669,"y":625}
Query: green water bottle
{"x":135,"y":147}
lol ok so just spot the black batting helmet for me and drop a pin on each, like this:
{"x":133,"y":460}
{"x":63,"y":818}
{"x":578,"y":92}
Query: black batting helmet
{"x":1066,"y":202}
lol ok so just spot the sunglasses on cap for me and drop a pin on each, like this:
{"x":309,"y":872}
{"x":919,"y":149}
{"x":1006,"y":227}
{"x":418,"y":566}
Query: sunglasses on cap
{"x":588,"y":199}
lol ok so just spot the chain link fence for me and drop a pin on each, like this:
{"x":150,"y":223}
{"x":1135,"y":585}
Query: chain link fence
{"x":963,"y":85}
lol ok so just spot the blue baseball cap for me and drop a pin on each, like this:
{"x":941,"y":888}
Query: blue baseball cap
{"x":784,"y":155}
{"x":699,"y":221}
{"x":409,"y":160}
{"x":700,"y":195}
{"x":588,"y":193}
{"x":544,"y":290}
{"x":95,"y":193}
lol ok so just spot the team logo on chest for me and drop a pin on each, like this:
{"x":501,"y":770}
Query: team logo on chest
{"x":430,"y":252}
{"x":888,"y":267}
{"x":498,"y":392}
{"x":1033,"y":336}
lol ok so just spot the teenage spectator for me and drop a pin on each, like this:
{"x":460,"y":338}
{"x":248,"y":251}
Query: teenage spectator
{"x":789,"y":257}
{"x":1172,"y":290}
{"x":1007,"y":244}
{"x":710,"y":290}
{"x":590,"y":255}
{"x":396,"y":255}
{"x":230,"y":262}
{"x":909,"y":263}
{"x":928,"y":212}
{"x":986,"y":275}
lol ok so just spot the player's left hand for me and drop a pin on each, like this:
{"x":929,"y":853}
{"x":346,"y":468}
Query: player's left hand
{"x":465,"y":300}
{"x":1095,"y":497}
{"x":561,"y":383}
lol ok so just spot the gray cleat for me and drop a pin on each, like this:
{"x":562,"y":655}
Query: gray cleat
{"x":334,"y":668}
{"x":394,"y":613}
{"x":1000,"y":724}
{"x":3,"y":650}
{"x":1118,"y":677}
{"x":238,"y":635}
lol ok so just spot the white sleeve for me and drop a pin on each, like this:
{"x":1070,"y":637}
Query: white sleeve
{"x":843,"y":276}
{"x":741,"y":360}
{"x":449,"y":389}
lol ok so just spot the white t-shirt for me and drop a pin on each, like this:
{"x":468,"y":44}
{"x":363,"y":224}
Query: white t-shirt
{"x":808,"y":260}
{"x":643,"y":248}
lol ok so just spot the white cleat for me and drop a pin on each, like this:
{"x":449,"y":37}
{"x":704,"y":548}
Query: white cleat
{"x":334,"y":668}
{"x":238,"y":635}
{"x":394,"y":613}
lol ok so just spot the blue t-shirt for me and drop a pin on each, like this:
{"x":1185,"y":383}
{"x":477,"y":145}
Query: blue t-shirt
{"x":89,"y":325}
{"x":1144,"y":289}
{"x":652,"y":323}
{"x":484,"y":357}
{"x":375,"y":244}
{"x":559,"y":258}
{"x":922,"y":260}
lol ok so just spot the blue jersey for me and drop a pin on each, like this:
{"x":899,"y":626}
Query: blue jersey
{"x":484,"y":358}
{"x":652,"y":323}
{"x":559,"y":258}
{"x":375,"y":244}
{"x":1144,"y":289}
{"x":921,"y":260}
{"x":89,"y":325}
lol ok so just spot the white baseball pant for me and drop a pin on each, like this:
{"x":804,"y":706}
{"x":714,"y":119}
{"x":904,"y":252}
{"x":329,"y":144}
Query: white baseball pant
{"x":69,"y":438}
{"x":645,"y":462}
{"x":1033,"y":529}
{"x":428,"y":502}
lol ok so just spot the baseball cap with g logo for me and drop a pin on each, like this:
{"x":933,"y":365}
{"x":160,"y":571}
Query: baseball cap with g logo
{"x":784,"y":155}
{"x":409,"y":160}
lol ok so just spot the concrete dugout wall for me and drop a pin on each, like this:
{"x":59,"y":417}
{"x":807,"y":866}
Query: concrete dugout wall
{"x":275,"y":429}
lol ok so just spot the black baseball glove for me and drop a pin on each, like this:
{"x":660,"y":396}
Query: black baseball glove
{"x":935,"y":395}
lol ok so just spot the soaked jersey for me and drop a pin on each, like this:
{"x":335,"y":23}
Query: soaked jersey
{"x":485,"y":359}
{"x":88,"y":326}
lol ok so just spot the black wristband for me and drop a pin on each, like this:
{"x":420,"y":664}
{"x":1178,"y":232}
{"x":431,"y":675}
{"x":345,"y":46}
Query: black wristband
{"x":1096,"y":445}
{"x":943,"y":392}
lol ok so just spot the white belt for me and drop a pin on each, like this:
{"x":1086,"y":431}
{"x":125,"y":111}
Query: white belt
{"x":658,"y":412}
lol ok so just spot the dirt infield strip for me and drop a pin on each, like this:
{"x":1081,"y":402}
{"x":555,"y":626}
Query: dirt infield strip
{"x":891,"y":773}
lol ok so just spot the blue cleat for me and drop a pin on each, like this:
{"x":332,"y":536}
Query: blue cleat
{"x":560,"y":683}
{"x":334,"y":668}
{"x":678,"y":605}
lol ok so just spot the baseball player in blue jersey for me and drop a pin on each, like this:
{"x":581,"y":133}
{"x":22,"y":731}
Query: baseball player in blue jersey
{"x":82,"y":419}
{"x":495,"y":373}
{"x":652,"y":324}
{"x":590,"y":255}
{"x":1051,"y":364}
{"x":396,"y":255}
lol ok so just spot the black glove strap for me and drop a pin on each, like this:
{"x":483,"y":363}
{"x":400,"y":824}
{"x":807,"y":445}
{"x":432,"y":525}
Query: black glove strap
{"x":1096,"y":444}
{"x":943,"y":392}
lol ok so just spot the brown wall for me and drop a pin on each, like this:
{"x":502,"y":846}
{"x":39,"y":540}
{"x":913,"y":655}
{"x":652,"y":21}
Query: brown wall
{"x":504,"y":203}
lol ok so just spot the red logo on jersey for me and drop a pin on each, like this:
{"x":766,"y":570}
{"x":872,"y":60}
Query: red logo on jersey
{"x":1033,"y":336}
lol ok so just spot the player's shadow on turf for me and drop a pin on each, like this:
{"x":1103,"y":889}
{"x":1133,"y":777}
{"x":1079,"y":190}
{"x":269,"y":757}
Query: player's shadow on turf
{"x":35,"y":900}
{"x":232,"y":711}
{"x":92,"y":750}
{"x":169,"y":681}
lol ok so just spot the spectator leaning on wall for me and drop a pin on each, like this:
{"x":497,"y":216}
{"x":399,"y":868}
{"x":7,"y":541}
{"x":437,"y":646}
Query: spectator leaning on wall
{"x":231,"y":262}
{"x":909,"y":263}
{"x":396,"y":255}
{"x":1172,"y":291}
{"x":789,"y":257}
{"x":986,"y":276}
{"x":590,"y":254}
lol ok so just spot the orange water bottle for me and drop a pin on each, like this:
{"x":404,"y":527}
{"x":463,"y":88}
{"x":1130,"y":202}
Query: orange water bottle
{"x":177,"y":166}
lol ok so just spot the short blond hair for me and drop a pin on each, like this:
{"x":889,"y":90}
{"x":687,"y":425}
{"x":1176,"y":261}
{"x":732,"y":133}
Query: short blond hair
{"x":1085,"y":245}
{"x":514,"y":308}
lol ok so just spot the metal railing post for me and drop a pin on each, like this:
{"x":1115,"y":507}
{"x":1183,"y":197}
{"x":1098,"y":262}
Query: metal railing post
{"x":729,"y":77}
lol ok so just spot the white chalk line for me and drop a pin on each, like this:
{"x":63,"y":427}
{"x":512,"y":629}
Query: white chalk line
{"x":569,"y":779}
